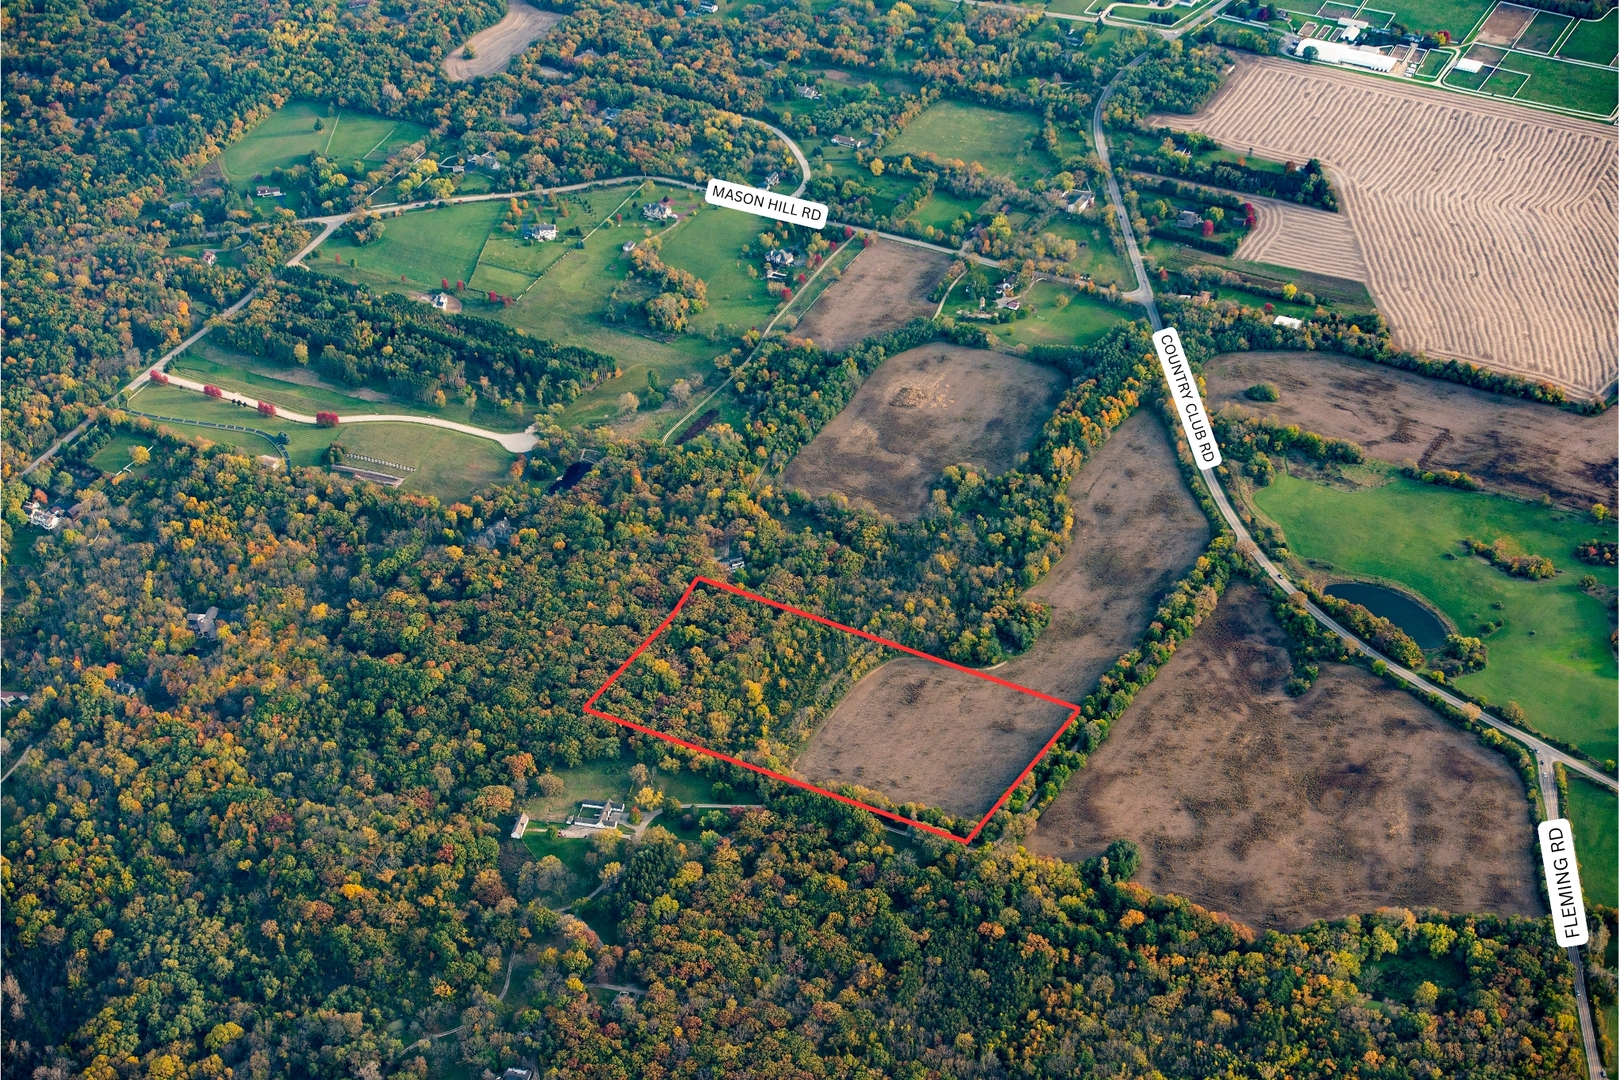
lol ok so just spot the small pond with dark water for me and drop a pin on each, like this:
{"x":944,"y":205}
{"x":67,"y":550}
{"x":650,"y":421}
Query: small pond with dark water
{"x":1420,"y":624}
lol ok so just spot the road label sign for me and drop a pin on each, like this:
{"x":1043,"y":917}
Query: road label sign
{"x":811,"y":215}
{"x":1183,"y":387}
{"x":1563,"y":882}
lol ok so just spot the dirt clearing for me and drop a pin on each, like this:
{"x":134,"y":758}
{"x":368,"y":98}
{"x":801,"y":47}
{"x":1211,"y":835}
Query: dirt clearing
{"x":1278,"y":810}
{"x":493,"y":49}
{"x":883,"y":289}
{"x":1487,"y":229}
{"x":921,"y":410}
{"x":1395,"y":416}
{"x":1136,"y":530}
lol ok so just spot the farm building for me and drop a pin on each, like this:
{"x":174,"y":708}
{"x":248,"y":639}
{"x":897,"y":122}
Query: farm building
{"x":1336,"y":52}
{"x":1287,"y":320}
{"x":441,"y":301}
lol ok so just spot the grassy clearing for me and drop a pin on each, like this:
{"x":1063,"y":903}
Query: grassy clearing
{"x":288,"y":136}
{"x":942,"y":208}
{"x":1551,"y":657}
{"x":1096,"y":256}
{"x":302,"y":390}
{"x":1596,"y":41}
{"x":448,"y":464}
{"x":1571,"y":86}
{"x":1467,"y":80}
{"x":1002,"y":142}
{"x":1544,"y":31}
{"x":1083,"y":320}
{"x":422,"y":249}
{"x":1594,"y":812}
{"x":710,"y":246}
{"x":115,"y":456}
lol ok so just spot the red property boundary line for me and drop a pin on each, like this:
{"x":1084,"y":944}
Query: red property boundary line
{"x":590,"y":708}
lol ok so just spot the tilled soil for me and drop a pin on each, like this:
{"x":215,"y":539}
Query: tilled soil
{"x":1396,"y":416}
{"x":494,"y":48}
{"x":885,"y":287}
{"x":903,"y":730}
{"x":922,"y":410}
{"x":1280,"y":811}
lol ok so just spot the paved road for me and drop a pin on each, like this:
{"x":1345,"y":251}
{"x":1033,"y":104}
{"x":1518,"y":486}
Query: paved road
{"x":1545,"y":754}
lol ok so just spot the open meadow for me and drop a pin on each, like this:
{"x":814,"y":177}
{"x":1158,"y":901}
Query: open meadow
{"x":1061,"y":315}
{"x":1002,"y":142}
{"x":1502,"y":259}
{"x":447,"y":463}
{"x":922,"y":410}
{"x":1136,"y":531}
{"x":419,"y":250}
{"x":1595,"y":41}
{"x":1552,"y":654}
{"x":1280,"y":810}
{"x":1395,"y":416}
{"x":885,"y":287}
{"x":288,"y":136}
{"x":1593,"y":811}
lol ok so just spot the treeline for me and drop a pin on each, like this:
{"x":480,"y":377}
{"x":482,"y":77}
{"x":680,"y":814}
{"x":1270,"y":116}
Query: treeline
{"x":1176,"y":78}
{"x":1307,"y":184}
{"x":358,"y":336}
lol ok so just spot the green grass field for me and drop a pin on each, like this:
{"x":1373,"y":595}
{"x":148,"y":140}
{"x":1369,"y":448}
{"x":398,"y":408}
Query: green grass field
{"x":1096,"y":256}
{"x":1572,"y":86}
{"x":1467,"y":80}
{"x":942,"y":208}
{"x":710,"y":246}
{"x":1505,"y":82}
{"x":448,"y":464}
{"x":1596,"y":41}
{"x":1431,"y":16}
{"x":1552,"y":657}
{"x":115,"y":456}
{"x":303,"y":390}
{"x":1084,"y":320}
{"x":288,"y":137}
{"x":1544,"y":31}
{"x":1433,"y":63}
{"x":425,"y":247}
{"x":1002,"y":142}
{"x":1594,"y":813}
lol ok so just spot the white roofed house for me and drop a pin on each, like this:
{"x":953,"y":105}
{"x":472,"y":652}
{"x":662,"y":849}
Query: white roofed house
{"x":662,"y":210}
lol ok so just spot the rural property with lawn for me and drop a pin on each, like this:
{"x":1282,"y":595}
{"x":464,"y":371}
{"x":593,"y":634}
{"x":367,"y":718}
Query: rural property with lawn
{"x":1122,"y":594}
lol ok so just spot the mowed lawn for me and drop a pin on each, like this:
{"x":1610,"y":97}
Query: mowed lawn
{"x":1432,"y":16}
{"x":424,"y":247}
{"x":1002,"y":142}
{"x":1085,"y":319}
{"x":710,"y":246}
{"x":1596,"y":41}
{"x":1593,"y":811}
{"x":941,"y":208}
{"x":288,"y":136}
{"x":448,"y":464}
{"x":1571,"y":86}
{"x":1552,"y":656}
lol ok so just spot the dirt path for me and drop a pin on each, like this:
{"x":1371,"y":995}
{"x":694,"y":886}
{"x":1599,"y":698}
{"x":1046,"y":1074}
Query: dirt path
{"x":494,"y":48}
{"x":1282,"y":810}
{"x":903,"y":731}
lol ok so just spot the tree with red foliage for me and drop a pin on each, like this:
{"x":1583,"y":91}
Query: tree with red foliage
{"x":213,"y":391}
{"x":848,"y":232}
{"x":444,"y":283}
{"x":1208,"y":227}
{"x":266,"y":409}
{"x":325,"y":419}
{"x":158,"y":377}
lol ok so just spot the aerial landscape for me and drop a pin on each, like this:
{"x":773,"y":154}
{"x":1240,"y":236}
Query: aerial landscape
{"x":809,"y":538}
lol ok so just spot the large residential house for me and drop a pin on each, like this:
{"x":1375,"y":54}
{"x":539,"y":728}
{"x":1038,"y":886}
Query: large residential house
{"x":662,"y":210}
{"x":45,"y":517}
{"x":205,"y":624}
{"x":542,"y":230}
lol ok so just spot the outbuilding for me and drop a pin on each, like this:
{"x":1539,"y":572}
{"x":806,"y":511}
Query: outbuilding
{"x":1336,"y":52}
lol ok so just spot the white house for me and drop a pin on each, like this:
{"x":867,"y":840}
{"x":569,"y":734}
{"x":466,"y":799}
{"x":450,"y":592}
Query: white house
{"x":441,"y":301}
{"x":1287,"y":320}
{"x":543,"y":230}
{"x":659,"y":211}
{"x":1336,"y":52}
{"x":45,"y":517}
{"x":1083,"y":201}
{"x":268,"y":193}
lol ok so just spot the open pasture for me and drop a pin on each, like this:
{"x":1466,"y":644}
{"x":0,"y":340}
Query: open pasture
{"x":1136,"y":530}
{"x":1002,"y":142}
{"x":1596,"y":41}
{"x":885,"y":287}
{"x":1551,"y":655}
{"x":922,"y":410}
{"x":1544,"y":32}
{"x":1594,"y":813}
{"x":423,"y":247}
{"x":1395,"y":416}
{"x":710,"y":246}
{"x":1082,"y":320}
{"x":1279,"y":810}
{"x":288,"y":136}
{"x":1503,"y":259}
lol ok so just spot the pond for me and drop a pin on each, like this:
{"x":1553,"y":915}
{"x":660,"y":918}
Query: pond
{"x":1422,"y":625}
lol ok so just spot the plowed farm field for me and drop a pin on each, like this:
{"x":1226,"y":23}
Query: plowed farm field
{"x":1280,"y":810}
{"x":883,"y":289}
{"x":1487,"y":229}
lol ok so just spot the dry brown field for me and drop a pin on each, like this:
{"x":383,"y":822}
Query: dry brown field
{"x":921,"y":410}
{"x":1505,"y":23}
{"x":1136,"y":530}
{"x":1487,"y":228}
{"x":885,"y":287}
{"x":494,"y":48}
{"x":1278,"y":810}
{"x":1287,"y":234}
{"x":1395,"y":416}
